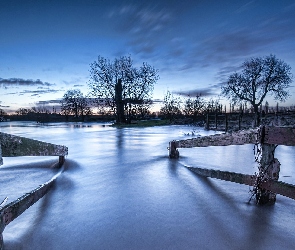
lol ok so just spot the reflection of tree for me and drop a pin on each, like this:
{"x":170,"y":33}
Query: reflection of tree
{"x":137,"y":85}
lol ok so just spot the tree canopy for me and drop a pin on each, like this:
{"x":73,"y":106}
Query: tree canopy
{"x":259,"y":76}
{"x":75,"y":103}
{"x":171,"y":106}
{"x":137,"y":83}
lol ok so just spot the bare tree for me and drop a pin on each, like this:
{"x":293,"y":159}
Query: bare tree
{"x":22,"y":111}
{"x":259,"y":77}
{"x":2,"y":112}
{"x":213,"y":105}
{"x":194,"y":106}
{"x":75,"y":103}
{"x":137,"y":83}
{"x":171,"y":106}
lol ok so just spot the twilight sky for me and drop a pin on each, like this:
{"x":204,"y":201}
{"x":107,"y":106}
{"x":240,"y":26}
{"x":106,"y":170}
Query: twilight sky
{"x":46,"y":46}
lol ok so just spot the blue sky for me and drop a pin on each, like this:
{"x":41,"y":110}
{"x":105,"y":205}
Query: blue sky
{"x":46,"y":46}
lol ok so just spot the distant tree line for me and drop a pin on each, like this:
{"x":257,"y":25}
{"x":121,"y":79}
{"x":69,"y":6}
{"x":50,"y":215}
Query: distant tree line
{"x":75,"y":103}
{"x":175,"y":107}
{"x":124,"y":92}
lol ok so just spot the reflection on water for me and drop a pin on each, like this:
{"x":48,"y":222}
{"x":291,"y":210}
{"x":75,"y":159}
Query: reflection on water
{"x":121,"y":191}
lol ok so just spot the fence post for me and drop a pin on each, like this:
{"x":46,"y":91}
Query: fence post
{"x":240,"y":122}
{"x":226,"y":122}
{"x":173,"y":151}
{"x":1,"y":220}
{"x":61,"y":160}
{"x":268,"y":170}
{"x":215,"y":119}
{"x":1,"y":160}
{"x":1,"y":241}
{"x":207,"y":121}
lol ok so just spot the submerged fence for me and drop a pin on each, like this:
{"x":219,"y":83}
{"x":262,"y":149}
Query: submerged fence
{"x":12,"y":146}
{"x":267,"y":138}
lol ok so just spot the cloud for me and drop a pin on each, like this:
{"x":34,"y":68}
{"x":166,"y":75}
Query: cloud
{"x":143,"y":25}
{"x":38,"y":92}
{"x":233,"y":44}
{"x":3,"y":106}
{"x":204,"y":92}
{"x":48,"y":102}
{"x":244,"y":42}
{"x":157,"y":101}
{"x":11,"y":82}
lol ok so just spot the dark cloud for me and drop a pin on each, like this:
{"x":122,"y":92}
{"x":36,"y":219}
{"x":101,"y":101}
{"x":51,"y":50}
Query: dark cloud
{"x":224,"y":72}
{"x":144,"y":25}
{"x":38,"y":92}
{"x":246,"y":41}
{"x":10,"y":82}
{"x":48,"y":102}
{"x":3,"y":106}
{"x":148,"y":26}
{"x":231,"y":45}
{"x":204,"y":92}
{"x":157,"y":101}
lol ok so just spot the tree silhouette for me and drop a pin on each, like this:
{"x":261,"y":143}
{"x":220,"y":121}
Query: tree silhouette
{"x":137,"y":84}
{"x":194,"y":106}
{"x":75,"y":103}
{"x":171,"y":106}
{"x":259,"y":77}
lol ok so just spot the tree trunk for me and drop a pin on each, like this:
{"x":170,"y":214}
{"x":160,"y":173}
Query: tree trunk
{"x":269,"y":169}
{"x":120,"y":117}
{"x":257,"y":115}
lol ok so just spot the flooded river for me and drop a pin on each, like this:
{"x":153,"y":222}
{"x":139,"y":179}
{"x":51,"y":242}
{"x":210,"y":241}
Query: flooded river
{"x":121,"y":191}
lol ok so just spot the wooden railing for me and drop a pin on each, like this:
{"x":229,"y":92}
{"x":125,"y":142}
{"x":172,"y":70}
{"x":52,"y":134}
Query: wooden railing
{"x":11,"y":146}
{"x":265,"y":183}
{"x":238,"y":120}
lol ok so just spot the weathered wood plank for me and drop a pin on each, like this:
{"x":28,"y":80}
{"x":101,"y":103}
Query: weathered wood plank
{"x":274,"y":186}
{"x":225,"y":175}
{"x":20,"y":146}
{"x":1,"y":160}
{"x":235,"y":138}
{"x":279,"y":187}
{"x":14,"y":209}
{"x":3,"y":202}
{"x":278,"y":135}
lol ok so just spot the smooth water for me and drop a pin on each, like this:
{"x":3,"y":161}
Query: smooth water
{"x":121,"y":191}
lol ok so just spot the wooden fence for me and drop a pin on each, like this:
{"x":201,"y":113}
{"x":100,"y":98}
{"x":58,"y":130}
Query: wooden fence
{"x":237,"y":121}
{"x":265,"y":184}
{"x":11,"y":146}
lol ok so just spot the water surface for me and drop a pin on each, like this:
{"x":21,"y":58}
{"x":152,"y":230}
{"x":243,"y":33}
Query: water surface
{"x":121,"y":191}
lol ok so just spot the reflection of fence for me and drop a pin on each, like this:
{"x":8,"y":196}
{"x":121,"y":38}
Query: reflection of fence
{"x":266,"y":183}
{"x":19,"y":146}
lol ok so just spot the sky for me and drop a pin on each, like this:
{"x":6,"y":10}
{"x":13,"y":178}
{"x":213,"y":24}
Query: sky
{"x":46,"y":47}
